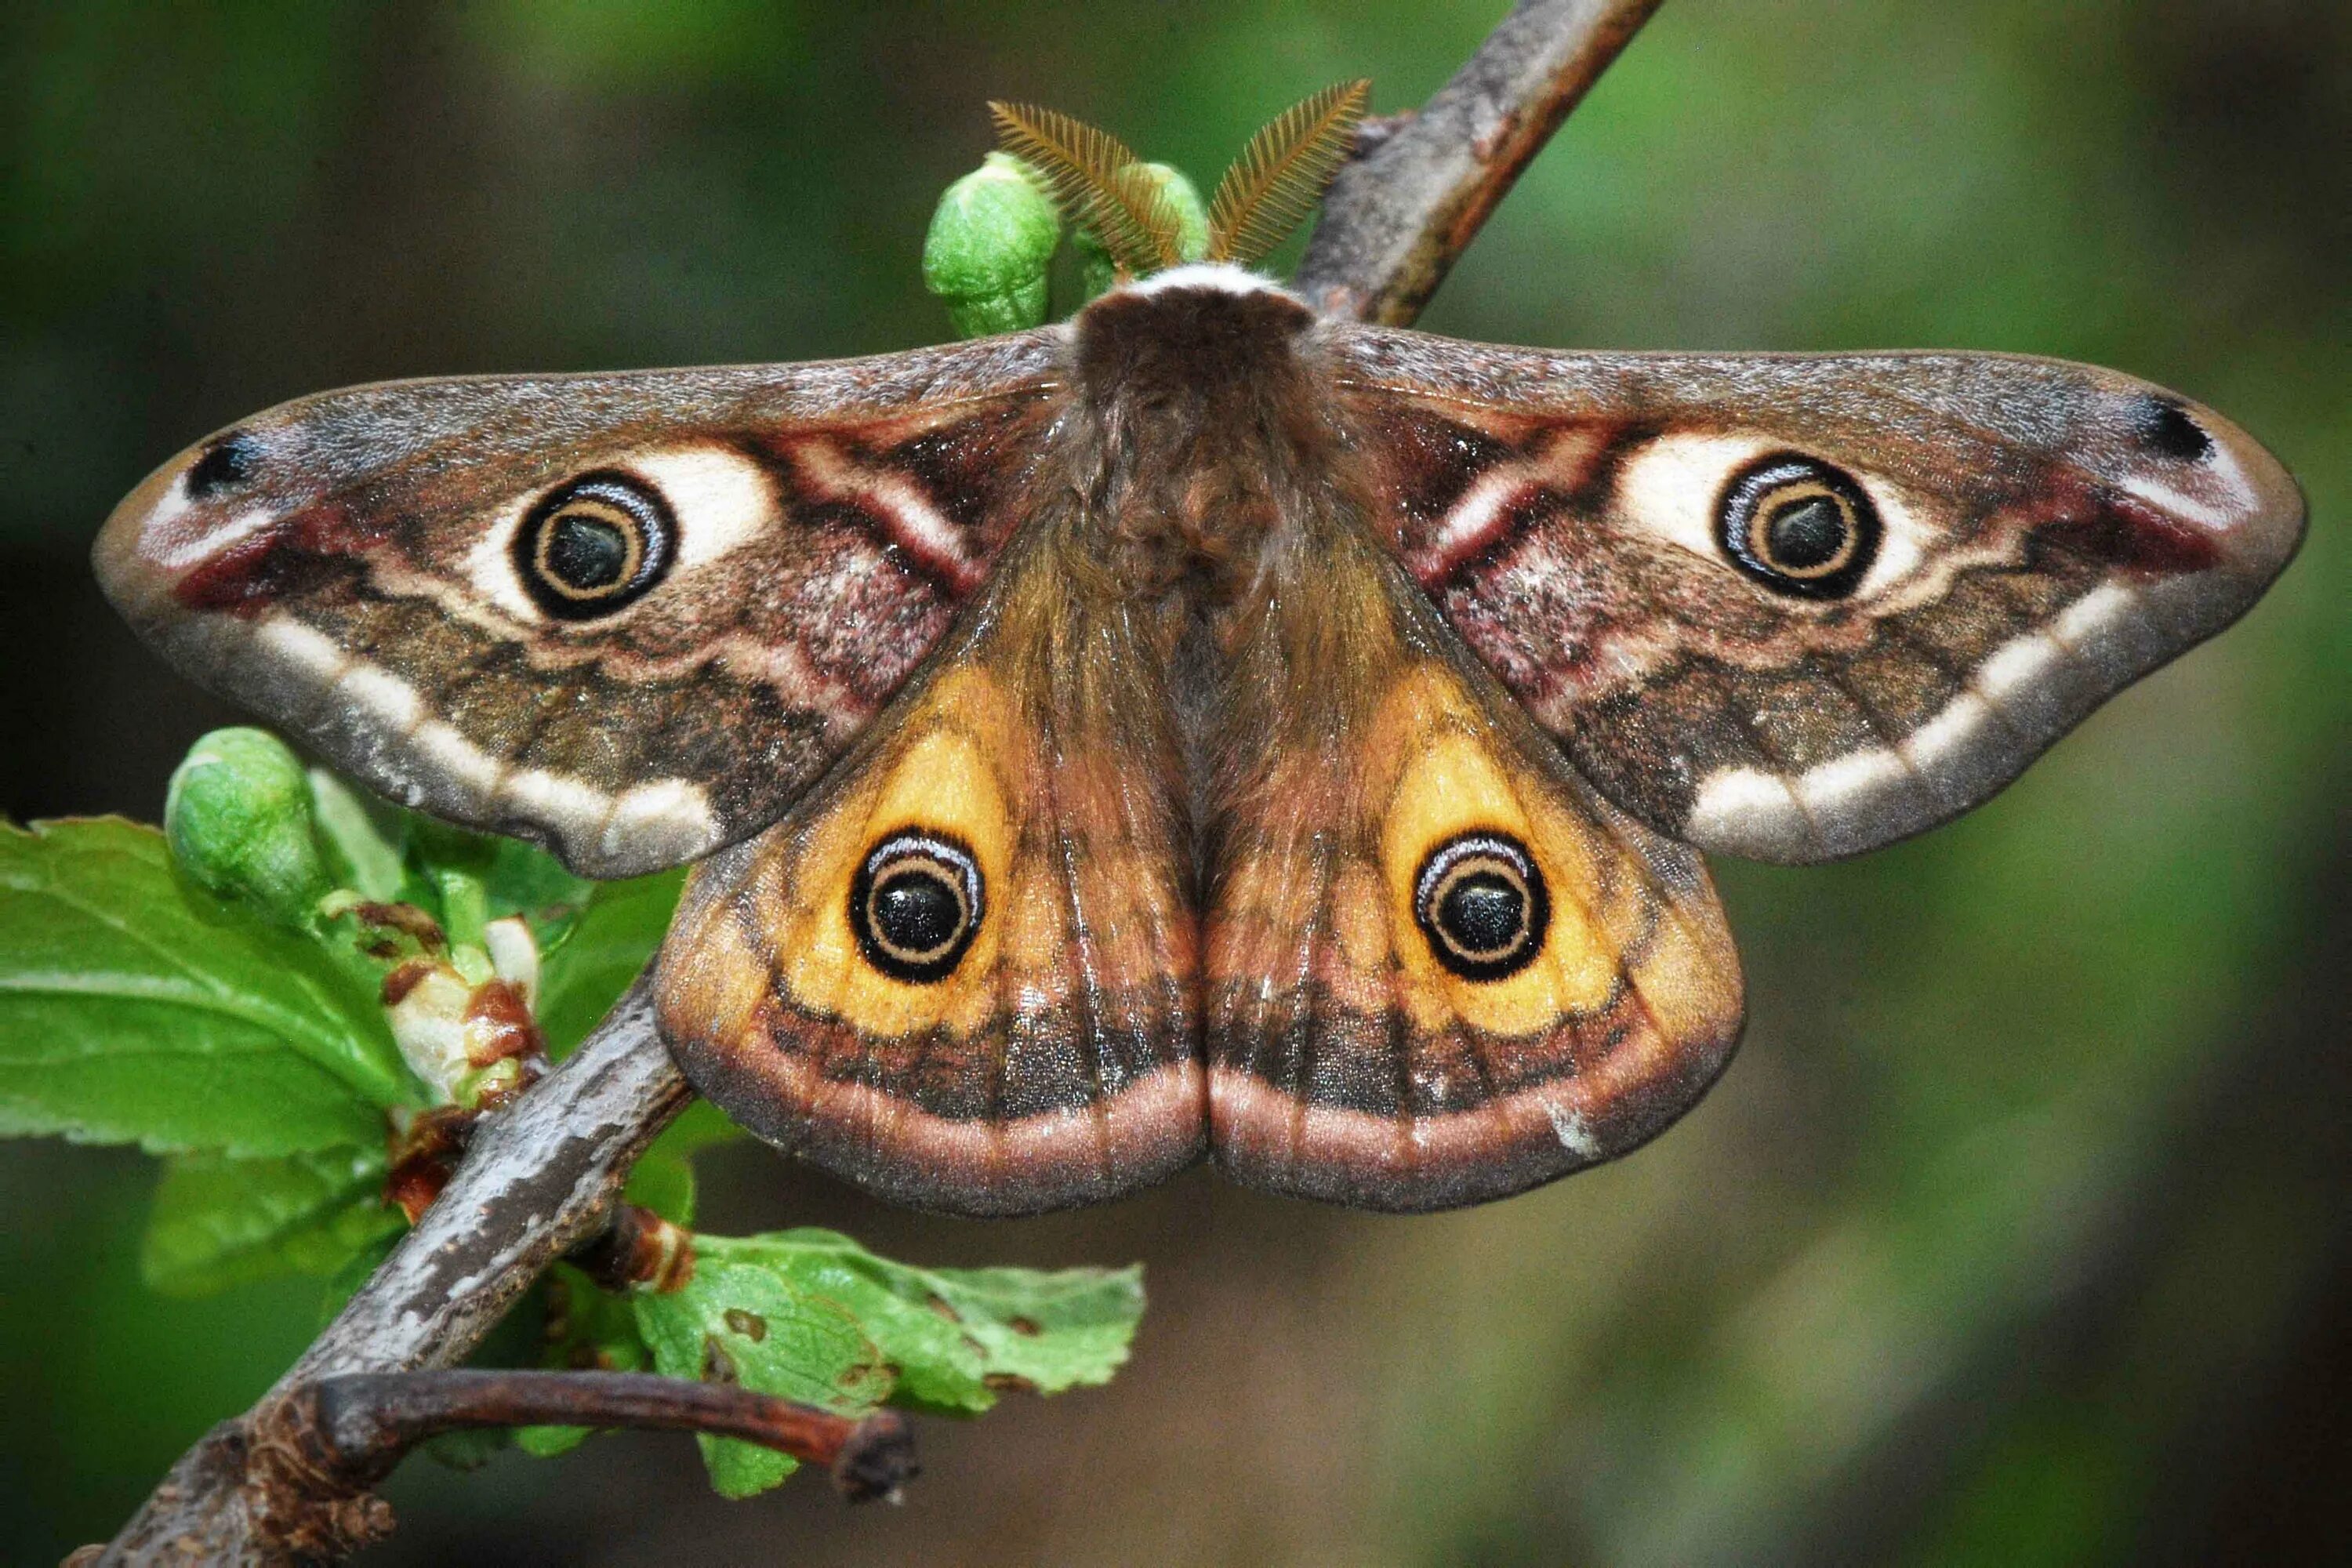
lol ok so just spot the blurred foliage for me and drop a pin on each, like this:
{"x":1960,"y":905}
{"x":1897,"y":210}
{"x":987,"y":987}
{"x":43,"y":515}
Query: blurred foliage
{"x":2016,"y":1234}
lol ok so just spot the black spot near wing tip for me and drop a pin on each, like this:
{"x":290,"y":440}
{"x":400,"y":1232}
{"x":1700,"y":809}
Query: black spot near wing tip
{"x":230,"y":460}
{"x":2162,"y":424}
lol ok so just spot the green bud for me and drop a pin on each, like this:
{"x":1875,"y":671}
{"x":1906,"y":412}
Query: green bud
{"x":1096,"y":272}
{"x":238,"y":818}
{"x":1191,"y":214}
{"x":990,"y":241}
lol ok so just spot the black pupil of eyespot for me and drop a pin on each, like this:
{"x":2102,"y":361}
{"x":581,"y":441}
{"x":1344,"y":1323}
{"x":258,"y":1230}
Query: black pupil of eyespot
{"x":915,"y":910}
{"x":1805,"y":535}
{"x":1484,"y":911}
{"x":587,"y":552}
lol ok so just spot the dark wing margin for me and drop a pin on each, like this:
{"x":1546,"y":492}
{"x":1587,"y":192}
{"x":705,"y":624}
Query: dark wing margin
{"x":2046,"y":534}
{"x":347,"y":565}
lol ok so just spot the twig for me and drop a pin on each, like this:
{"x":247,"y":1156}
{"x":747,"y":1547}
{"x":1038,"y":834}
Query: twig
{"x":1406,"y":207}
{"x":540,"y":1179}
{"x":364,"y":1424}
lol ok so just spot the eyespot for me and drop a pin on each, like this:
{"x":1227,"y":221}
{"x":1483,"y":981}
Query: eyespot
{"x":594,"y":545}
{"x":1481,"y":902}
{"x":1799,"y":526}
{"x":915,"y":906}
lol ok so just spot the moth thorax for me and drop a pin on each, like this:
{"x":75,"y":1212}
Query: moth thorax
{"x":1203,"y":391}
{"x":1179,"y":348}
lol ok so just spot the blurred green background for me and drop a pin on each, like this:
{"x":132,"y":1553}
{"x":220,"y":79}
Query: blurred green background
{"x":2017,"y":1233}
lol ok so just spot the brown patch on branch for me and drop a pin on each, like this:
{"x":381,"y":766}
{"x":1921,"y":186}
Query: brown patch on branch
{"x":640,"y":1248}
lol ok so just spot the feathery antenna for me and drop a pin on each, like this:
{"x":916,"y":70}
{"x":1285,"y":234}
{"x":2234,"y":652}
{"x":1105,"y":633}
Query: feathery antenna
{"x":1098,"y":180}
{"x":1280,"y":175}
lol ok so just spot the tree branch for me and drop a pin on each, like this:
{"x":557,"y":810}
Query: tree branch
{"x":538,"y":1179}
{"x":541,"y":1177}
{"x":1406,"y":207}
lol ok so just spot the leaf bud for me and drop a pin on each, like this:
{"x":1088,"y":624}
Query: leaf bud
{"x":239,"y":818}
{"x":991,"y":240}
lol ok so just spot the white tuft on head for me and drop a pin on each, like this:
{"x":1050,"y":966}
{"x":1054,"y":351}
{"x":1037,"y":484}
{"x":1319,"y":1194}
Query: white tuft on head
{"x":1220,"y":276}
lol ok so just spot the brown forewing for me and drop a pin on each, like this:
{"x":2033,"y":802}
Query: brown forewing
{"x":2053,"y":531}
{"x":348,"y":578}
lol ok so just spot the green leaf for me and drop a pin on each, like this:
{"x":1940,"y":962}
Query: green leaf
{"x":662,"y":1180}
{"x":470,"y":877}
{"x":526,"y":880}
{"x":220,"y":1222}
{"x":135,"y":1008}
{"x":961,"y":1336}
{"x":594,"y":962}
{"x":740,"y":1320}
{"x":813,"y":1316}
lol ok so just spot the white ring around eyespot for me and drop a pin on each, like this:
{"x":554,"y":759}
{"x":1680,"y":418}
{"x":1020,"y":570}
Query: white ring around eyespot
{"x":1672,"y":488}
{"x":720,"y":498}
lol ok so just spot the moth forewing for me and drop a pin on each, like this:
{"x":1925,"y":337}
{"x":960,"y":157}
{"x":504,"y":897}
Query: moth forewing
{"x":630,"y":616}
{"x":1962,"y":555}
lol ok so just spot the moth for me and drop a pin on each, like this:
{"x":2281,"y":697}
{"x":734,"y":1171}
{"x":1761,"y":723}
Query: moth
{"x":1203,"y":727}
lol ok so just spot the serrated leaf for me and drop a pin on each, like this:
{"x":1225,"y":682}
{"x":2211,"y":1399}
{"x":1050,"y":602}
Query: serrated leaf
{"x":740,"y":1320}
{"x":219,"y":1221}
{"x":960,"y":1336}
{"x":582,"y":974}
{"x":134,"y":1007}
